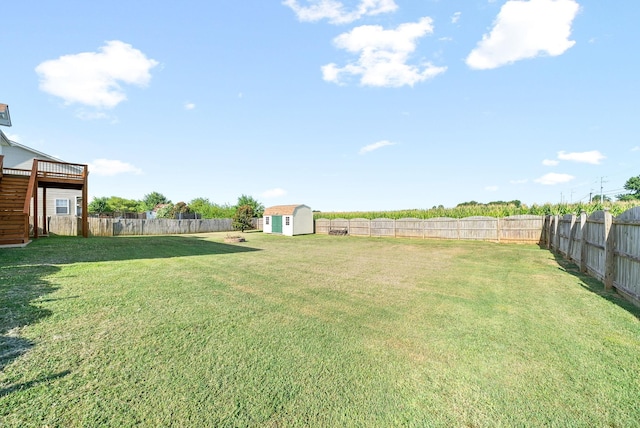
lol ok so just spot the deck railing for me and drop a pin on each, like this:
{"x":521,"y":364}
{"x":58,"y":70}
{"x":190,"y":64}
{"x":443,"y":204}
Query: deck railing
{"x":45,"y":173}
{"x":60,"y":170}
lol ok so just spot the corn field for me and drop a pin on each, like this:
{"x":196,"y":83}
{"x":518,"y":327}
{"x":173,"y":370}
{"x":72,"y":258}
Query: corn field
{"x":498,"y":211}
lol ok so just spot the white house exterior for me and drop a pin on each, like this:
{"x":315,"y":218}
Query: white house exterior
{"x":288,"y":220}
{"x":59,"y":202}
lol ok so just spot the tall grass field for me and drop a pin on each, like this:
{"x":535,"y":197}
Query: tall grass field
{"x":487,"y":210}
{"x":317,"y":331}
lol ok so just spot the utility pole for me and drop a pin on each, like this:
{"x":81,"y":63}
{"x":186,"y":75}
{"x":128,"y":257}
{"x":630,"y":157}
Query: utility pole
{"x":601,"y":189}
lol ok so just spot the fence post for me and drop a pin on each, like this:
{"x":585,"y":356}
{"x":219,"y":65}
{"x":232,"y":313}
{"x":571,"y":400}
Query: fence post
{"x":498,"y":228}
{"x":583,"y":242}
{"x":609,"y":261}
{"x":556,"y":237}
{"x":547,"y":220}
{"x":572,"y":236}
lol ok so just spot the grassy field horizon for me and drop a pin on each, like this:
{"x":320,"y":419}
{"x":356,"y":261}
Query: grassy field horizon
{"x":309,"y":331}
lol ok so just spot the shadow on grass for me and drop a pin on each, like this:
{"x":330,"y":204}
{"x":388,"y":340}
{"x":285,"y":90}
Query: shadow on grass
{"x":596,"y":286}
{"x":20,"y":285}
{"x":32,"y":383}
{"x":23,"y":273}
{"x":65,"y":250}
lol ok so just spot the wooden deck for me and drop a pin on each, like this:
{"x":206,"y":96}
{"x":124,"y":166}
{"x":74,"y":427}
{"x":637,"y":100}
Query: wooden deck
{"x":43,"y":175}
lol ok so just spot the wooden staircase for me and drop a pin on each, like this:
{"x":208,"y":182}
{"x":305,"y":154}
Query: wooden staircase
{"x":19,"y":197}
{"x":14,"y":223}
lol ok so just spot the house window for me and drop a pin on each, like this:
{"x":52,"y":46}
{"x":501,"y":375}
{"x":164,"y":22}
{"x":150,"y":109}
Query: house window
{"x":287,"y":221}
{"x":266,"y":221}
{"x":79,"y":206}
{"x":62,"y":206}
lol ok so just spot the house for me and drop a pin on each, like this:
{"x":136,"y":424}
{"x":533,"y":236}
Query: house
{"x":34,"y":186}
{"x":288,"y":220}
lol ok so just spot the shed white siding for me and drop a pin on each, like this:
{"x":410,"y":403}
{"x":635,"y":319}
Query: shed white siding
{"x":266,"y":224}
{"x":290,"y":220}
{"x":303,"y":222}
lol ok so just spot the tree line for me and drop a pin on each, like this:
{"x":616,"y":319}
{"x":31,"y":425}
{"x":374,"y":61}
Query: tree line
{"x":164,"y":208}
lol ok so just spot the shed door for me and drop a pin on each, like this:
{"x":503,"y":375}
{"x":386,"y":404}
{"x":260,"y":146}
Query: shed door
{"x":276,"y":224}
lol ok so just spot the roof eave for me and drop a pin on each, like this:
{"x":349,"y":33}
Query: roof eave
{"x":4,"y":141}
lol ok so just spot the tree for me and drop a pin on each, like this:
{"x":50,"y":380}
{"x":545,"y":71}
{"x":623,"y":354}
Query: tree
{"x":165,"y":211}
{"x":243,"y":218}
{"x":470,"y":203}
{"x":152,"y":199}
{"x":123,"y":205}
{"x":257,"y":207}
{"x":633,"y":186}
{"x":201,"y":206}
{"x":180,"y":208}
{"x":99,"y":205}
{"x":207,"y":209}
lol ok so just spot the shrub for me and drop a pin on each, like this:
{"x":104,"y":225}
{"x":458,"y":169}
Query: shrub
{"x":243,"y":218}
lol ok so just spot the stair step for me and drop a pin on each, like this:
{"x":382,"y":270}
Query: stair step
{"x":13,"y":193}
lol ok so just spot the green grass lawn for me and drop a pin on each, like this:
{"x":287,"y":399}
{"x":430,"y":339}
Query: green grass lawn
{"x":319,"y":331}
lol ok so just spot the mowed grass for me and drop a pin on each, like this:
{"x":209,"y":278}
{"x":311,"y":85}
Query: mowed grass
{"x":317,"y":331}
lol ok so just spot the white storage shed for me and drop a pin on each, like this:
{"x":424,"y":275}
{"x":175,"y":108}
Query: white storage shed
{"x":288,"y":220}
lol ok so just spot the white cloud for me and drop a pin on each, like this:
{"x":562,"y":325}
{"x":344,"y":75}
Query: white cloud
{"x":553,"y":178}
{"x":383,"y":55}
{"x":273,"y":193}
{"x":335,"y":11}
{"x":491,"y":188}
{"x":526,"y":29}
{"x":523,"y":181}
{"x":456,"y":17}
{"x":189,"y":106}
{"x":13,"y":137}
{"x":635,"y":149}
{"x":375,"y":146}
{"x":93,"y":78}
{"x":550,"y":162}
{"x":593,"y":157}
{"x":109,"y":167}
{"x":91,"y":115}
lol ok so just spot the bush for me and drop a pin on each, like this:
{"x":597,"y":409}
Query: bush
{"x":243,"y":218}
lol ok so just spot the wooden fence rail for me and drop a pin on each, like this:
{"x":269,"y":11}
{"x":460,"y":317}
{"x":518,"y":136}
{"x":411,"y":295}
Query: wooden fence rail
{"x":68,"y":226}
{"x":604,"y":247}
{"x":522,"y":228}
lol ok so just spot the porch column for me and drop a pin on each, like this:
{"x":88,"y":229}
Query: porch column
{"x":45,"y":232}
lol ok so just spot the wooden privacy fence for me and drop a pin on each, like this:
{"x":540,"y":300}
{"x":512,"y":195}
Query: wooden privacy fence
{"x":68,"y":225}
{"x":605,"y":247}
{"x":521,"y":228}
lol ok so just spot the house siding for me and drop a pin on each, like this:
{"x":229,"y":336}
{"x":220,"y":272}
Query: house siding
{"x":21,"y":158}
{"x":16,"y":157}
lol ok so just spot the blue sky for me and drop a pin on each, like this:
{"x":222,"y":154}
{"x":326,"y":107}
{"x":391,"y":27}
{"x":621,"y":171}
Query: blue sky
{"x":341,"y":105}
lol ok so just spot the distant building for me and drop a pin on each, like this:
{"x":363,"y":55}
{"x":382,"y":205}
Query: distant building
{"x":288,"y":220}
